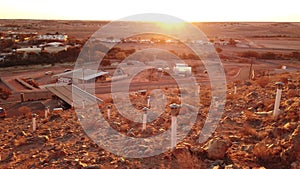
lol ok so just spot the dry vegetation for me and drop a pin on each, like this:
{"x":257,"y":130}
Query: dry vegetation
{"x":263,"y":82}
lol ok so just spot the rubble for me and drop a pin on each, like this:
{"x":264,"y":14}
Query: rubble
{"x":216,"y":149}
{"x":243,"y":138}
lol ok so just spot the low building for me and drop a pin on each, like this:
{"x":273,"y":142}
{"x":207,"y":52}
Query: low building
{"x":55,"y":37}
{"x":181,"y":69}
{"x":79,"y":76}
{"x":29,"y":50}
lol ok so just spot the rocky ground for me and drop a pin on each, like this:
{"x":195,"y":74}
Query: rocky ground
{"x":248,"y":136}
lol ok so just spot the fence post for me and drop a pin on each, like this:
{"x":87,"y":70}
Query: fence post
{"x":108,"y":111}
{"x":22,"y":97}
{"x":174,"y":113}
{"x":47,"y":111}
{"x":148,"y":101}
{"x":235,"y":89}
{"x":33,"y":122}
{"x":145,"y":110}
{"x":277,"y":99}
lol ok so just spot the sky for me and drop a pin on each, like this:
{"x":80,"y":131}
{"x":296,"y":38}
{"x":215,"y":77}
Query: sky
{"x":187,"y":10}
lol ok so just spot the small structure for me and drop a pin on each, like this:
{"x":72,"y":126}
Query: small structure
{"x":69,"y":92}
{"x":56,"y":37}
{"x":54,"y":44}
{"x":79,"y":75}
{"x":182,"y":69}
{"x":21,"y":35}
{"x":29,"y":50}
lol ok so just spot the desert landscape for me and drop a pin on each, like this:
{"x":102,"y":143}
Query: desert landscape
{"x":39,"y":67}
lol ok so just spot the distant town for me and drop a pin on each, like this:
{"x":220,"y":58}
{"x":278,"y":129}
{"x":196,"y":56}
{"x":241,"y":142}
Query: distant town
{"x":19,"y":47}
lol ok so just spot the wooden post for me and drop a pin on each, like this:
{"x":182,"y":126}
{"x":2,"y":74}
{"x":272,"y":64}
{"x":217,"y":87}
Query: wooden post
{"x":46,"y":111}
{"x":33,"y":122}
{"x":108,"y":111}
{"x":22,"y":97}
{"x":235,"y":88}
{"x":278,"y":98}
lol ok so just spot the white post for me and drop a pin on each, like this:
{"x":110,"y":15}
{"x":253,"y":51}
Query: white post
{"x":173,"y":131}
{"x":235,"y":88}
{"x":83,"y":104}
{"x":174,"y":113}
{"x":47,"y":111}
{"x":197,"y":91}
{"x":108,"y":111}
{"x":83,"y":78}
{"x":148,"y":101}
{"x":277,"y":99}
{"x":144,"y":121}
{"x":145,"y":109}
{"x":33,"y":122}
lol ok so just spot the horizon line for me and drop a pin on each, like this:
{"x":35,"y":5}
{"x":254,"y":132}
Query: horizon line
{"x":93,"y":20}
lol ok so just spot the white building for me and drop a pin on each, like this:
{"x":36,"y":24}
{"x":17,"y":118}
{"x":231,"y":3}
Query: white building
{"x":181,"y":69}
{"x":79,"y":75}
{"x":57,"y":37}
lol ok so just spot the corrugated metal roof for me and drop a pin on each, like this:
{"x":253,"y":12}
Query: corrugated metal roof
{"x":73,"y":95}
{"x":87,"y":74}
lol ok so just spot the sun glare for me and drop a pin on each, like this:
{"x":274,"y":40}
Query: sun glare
{"x":170,"y":25}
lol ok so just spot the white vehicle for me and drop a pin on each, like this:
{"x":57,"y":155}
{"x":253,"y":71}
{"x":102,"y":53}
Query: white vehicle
{"x":182,"y":69}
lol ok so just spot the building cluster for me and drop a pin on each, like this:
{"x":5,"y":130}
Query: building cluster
{"x":55,"y":37}
{"x":13,"y":40}
{"x":19,"y":37}
{"x":216,"y":42}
